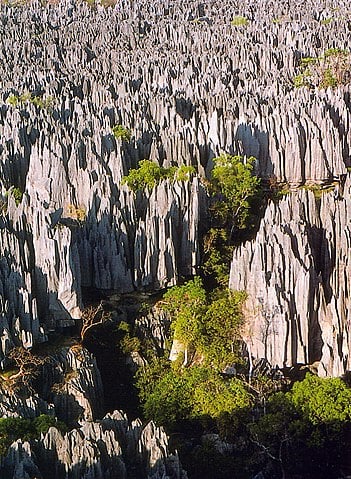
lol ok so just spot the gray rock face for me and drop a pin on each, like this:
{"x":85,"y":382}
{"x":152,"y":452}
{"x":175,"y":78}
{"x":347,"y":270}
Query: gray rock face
{"x":189,"y":85}
{"x":69,"y":388}
{"x":72,"y":382}
{"x":296,"y":274}
{"x":98,"y":450}
{"x":155,"y":325}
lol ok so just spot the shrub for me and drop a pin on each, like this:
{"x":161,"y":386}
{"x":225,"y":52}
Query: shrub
{"x":235,"y":184}
{"x":192,"y":393}
{"x":239,"y":21}
{"x":210,"y":325}
{"x":217,"y":255}
{"x":127,"y":342}
{"x":43,"y":423}
{"x":184,"y":173}
{"x":170,"y":400}
{"x":322,"y":400}
{"x":76,"y":213}
{"x":17,"y":101}
{"x":215,"y":396}
{"x":13,"y":428}
{"x":332,"y":69}
{"x":187,"y":305}
{"x":149,"y":174}
{"x":326,"y":21}
{"x":122,"y":133}
{"x":221,"y":328}
{"x":311,"y":420}
{"x":16,"y":193}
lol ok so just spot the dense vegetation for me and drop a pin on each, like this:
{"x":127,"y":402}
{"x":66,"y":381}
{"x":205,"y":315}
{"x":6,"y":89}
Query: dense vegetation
{"x":301,"y":429}
{"x":305,"y":431}
{"x":235,"y":206}
{"x":13,"y":428}
{"x":207,"y":326}
{"x":260,"y":424}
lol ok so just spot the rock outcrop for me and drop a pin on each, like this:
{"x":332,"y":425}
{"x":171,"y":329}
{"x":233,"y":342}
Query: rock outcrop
{"x":72,"y":382}
{"x":189,"y":85}
{"x":111,"y":448}
{"x":68,"y":387}
{"x":297,"y":276}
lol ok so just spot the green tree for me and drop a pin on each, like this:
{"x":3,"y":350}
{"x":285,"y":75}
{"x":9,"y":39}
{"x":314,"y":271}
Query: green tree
{"x":170,"y":400}
{"x":322,"y":400}
{"x":14,"y":428}
{"x":221,"y":328}
{"x":217,"y":256}
{"x":186,"y":304}
{"x":211,"y":326}
{"x":215,"y":396}
{"x":122,"y":133}
{"x":305,"y":431}
{"x":43,"y":423}
{"x":149,"y":174}
{"x":235,"y":186}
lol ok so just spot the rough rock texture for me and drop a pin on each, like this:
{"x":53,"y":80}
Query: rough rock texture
{"x":73,"y":384}
{"x":297,"y":276}
{"x":12,"y":404}
{"x":155,"y":326}
{"x":107,"y":449}
{"x":189,"y":85}
{"x":69,"y":388}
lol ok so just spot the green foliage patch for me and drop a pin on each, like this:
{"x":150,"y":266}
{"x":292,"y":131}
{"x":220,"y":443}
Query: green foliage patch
{"x":122,"y":133}
{"x":311,"y":420}
{"x":235,"y":186}
{"x":239,"y":21}
{"x":235,"y":202}
{"x":209,"y":327}
{"x":16,"y":193}
{"x":127,"y":341}
{"x":149,"y":174}
{"x":18,"y":101}
{"x":13,"y":428}
{"x":198,"y":392}
{"x":208,"y":324}
{"x":331,"y":69}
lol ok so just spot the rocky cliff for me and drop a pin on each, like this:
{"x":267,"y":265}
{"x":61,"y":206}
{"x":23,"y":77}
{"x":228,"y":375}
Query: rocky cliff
{"x":189,"y":83}
{"x":70,"y":389}
{"x":297,"y":275}
{"x":111,"y":448}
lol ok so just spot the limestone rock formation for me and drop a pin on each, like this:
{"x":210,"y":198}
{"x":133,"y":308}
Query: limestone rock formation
{"x":69,"y":387}
{"x":73,"y":384}
{"x":189,"y":85}
{"x":297,"y":276}
{"x":98,"y":450}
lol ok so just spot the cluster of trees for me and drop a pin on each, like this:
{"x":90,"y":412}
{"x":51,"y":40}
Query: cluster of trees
{"x":301,"y":430}
{"x":208,"y":326}
{"x":235,"y":206}
{"x":305,"y":431}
